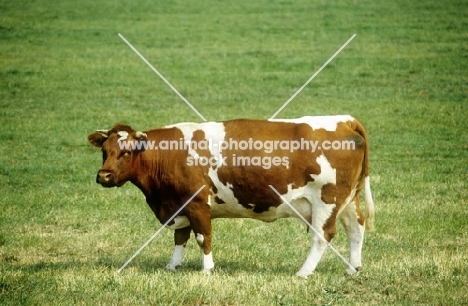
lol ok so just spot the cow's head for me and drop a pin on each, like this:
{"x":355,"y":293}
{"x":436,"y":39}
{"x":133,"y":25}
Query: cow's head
{"x":118,"y":154}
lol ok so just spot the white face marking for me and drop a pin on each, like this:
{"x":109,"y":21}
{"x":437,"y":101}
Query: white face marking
{"x":328,"y":123}
{"x":179,"y":222}
{"x":123,"y":135}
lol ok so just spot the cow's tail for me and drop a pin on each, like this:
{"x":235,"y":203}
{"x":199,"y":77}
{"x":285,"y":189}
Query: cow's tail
{"x":365,"y":176}
{"x":369,"y":204}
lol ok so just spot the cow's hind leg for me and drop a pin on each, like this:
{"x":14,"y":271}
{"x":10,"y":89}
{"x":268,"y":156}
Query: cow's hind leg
{"x":353,"y":222}
{"x":324,"y":229}
{"x":181,"y":236}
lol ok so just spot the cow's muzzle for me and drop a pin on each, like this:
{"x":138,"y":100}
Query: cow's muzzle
{"x":105,"y":178}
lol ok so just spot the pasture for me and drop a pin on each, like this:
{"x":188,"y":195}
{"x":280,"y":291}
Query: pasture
{"x":64,"y":72}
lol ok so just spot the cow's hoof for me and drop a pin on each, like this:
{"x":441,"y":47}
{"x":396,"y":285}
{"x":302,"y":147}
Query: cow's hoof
{"x":303,"y":274}
{"x":354,"y":271}
{"x":171,"y":267}
{"x":206,"y":271}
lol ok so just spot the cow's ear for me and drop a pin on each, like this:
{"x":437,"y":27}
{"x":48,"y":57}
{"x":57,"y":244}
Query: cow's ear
{"x":97,"y":139}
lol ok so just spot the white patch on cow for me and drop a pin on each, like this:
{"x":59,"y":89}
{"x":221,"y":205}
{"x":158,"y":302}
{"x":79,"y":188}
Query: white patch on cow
{"x":321,"y":211}
{"x":208,"y":263}
{"x":300,"y":198}
{"x":327,"y":172}
{"x":301,"y":204}
{"x":200,"y":238}
{"x":179,"y":222}
{"x":123,"y":135}
{"x":231,"y":207}
{"x":214,"y":133}
{"x":318,"y":211}
{"x":176,"y":259}
{"x":187,"y":129}
{"x":328,"y":123}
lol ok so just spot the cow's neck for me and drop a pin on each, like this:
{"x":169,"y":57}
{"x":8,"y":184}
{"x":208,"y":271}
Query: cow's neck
{"x":149,"y":178}
{"x":152,"y":179}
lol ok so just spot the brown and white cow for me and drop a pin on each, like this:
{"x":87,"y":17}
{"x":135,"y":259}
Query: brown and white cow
{"x":318,"y":164}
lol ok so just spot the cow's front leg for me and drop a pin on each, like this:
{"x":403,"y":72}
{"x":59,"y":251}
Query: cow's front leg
{"x":181,"y":236}
{"x":204,"y":241}
{"x":200,"y":220}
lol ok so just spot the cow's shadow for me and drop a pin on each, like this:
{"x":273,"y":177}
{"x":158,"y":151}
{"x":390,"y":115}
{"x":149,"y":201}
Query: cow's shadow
{"x":222,"y":267}
{"x":156,"y":265}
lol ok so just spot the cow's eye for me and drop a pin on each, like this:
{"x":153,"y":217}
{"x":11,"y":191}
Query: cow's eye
{"x":125,"y":153}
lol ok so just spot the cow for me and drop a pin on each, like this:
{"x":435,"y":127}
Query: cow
{"x":318,"y":164}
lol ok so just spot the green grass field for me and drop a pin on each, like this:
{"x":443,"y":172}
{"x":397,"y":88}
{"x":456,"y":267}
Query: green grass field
{"x":64,"y":73}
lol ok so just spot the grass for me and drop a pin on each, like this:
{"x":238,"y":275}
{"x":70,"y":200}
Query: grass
{"x":64,"y":72}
